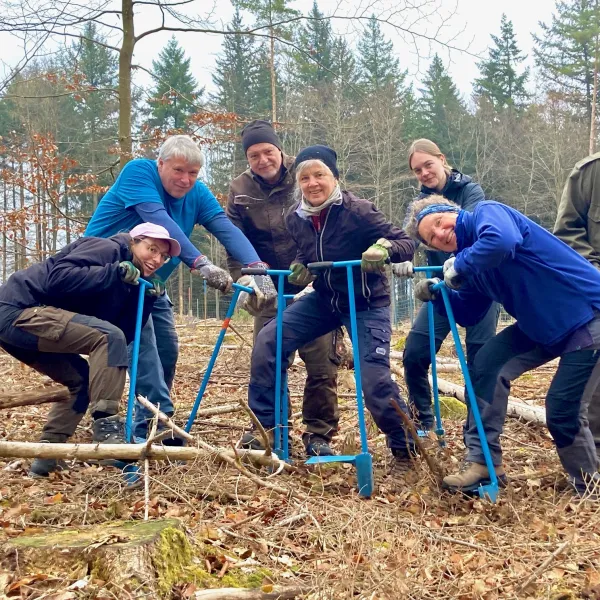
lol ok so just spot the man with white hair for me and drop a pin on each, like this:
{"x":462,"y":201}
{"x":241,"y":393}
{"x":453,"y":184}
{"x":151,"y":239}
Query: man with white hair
{"x":167,"y":192}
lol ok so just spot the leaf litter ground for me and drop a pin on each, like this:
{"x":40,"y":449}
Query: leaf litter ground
{"x":411,"y":540}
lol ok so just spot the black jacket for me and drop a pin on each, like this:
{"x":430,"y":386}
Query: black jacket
{"x":465,"y":192}
{"x":349,"y":229}
{"x":82,"y":278}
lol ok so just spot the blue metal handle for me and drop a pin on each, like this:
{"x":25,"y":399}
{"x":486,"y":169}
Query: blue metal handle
{"x":135,"y":357}
{"x":436,"y":269}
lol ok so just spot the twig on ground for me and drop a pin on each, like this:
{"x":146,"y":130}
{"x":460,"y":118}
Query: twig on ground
{"x":545,"y":564}
{"x":258,"y":425}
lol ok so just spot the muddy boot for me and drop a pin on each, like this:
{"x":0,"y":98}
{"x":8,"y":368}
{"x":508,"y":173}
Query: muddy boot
{"x":108,"y":430}
{"x":42,"y":467}
{"x":470,"y":476}
{"x":316,"y":445}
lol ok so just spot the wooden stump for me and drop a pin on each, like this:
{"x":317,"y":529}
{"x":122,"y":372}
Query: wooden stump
{"x":137,"y":559}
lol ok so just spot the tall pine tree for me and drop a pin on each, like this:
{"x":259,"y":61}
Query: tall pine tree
{"x":500,"y":82}
{"x":175,"y":95}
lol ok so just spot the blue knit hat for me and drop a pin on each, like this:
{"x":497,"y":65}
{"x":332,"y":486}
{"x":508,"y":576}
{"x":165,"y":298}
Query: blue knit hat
{"x":323,"y":153}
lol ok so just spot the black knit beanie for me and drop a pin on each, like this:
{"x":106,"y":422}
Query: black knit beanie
{"x":322,"y":153}
{"x":259,"y":132}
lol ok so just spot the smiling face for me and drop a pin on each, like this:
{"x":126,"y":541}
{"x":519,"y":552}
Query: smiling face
{"x":316,"y":182}
{"x":149,"y":254}
{"x":437,"y":231}
{"x":429,"y":170}
{"x":177,"y":175}
{"x":265,"y":160}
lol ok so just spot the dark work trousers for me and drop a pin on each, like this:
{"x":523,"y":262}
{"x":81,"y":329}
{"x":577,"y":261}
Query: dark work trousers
{"x":319,"y":405}
{"x":50,"y":340}
{"x":304,"y":321}
{"x":506,"y":357}
{"x":417,"y":357}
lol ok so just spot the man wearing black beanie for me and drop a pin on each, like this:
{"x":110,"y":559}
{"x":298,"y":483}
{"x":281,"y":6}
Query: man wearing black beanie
{"x":257,"y":202}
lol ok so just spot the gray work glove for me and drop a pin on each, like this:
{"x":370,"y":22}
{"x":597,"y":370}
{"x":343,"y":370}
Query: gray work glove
{"x":403,"y":269}
{"x":451,"y":278}
{"x":264,"y":296}
{"x":129,"y":273}
{"x":423,"y":290}
{"x":216,"y":277}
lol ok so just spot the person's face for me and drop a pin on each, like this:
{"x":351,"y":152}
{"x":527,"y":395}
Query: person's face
{"x":265,"y":160}
{"x":429,"y":170}
{"x":316,"y":183}
{"x":149,"y":254}
{"x":437,"y":230}
{"x":177,"y":175}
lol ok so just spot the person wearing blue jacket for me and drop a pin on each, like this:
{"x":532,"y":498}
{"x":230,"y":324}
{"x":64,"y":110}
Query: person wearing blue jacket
{"x":167,"y":192}
{"x":554,"y":295}
{"x":83,"y":300}
{"x":436,"y":177}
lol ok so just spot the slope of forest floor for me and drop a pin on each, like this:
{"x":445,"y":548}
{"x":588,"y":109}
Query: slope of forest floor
{"x":410,"y":540}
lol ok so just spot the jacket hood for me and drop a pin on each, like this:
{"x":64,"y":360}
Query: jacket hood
{"x":456,"y":180}
{"x":123,"y":240}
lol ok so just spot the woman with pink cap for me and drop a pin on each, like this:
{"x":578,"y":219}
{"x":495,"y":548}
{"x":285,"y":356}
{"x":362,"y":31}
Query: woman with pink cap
{"x":83,"y":300}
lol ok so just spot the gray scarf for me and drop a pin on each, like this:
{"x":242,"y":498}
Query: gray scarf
{"x":334,"y":198}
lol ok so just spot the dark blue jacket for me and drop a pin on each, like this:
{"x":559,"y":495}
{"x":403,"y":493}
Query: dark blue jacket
{"x":350,"y":227}
{"x":544,"y":284}
{"x":465,"y":192}
{"x":82,"y":278}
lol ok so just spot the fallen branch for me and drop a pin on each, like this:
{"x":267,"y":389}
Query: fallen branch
{"x":249,"y":594}
{"x":51,"y":394}
{"x":516,"y":408}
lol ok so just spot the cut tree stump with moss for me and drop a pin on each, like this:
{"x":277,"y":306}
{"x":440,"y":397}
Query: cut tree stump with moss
{"x":143,"y":558}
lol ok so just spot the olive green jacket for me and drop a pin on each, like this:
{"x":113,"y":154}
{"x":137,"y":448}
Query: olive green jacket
{"x":578,"y":219}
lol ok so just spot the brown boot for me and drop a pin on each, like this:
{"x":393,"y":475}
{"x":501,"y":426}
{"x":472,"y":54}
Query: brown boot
{"x":470,"y":476}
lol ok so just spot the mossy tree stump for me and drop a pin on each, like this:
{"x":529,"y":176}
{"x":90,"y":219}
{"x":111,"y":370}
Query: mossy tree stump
{"x":141,"y":558}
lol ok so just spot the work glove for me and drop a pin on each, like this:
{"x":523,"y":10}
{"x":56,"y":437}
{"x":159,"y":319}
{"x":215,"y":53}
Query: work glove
{"x":309,"y":289}
{"x":451,"y":278}
{"x":216,"y":278}
{"x":375,"y":257}
{"x":158,"y":288}
{"x":423,"y":290}
{"x":300,"y":275}
{"x":403,"y":269}
{"x":129,"y":273}
{"x":263,"y":297}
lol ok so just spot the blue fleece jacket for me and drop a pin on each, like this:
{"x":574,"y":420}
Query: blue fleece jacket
{"x":138,"y":196}
{"x":544,"y":284}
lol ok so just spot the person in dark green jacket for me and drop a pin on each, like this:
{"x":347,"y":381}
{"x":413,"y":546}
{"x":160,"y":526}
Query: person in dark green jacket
{"x":437,"y":177}
{"x":578,"y":225}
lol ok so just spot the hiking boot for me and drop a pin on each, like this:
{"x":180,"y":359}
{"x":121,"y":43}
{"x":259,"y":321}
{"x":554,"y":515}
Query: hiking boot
{"x":586,"y":487}
{"x":252,"y":440}
{"x":316,"y":445}
{"x":42,"y":467}
{"x":470,"y":476}
{"x":108,"y":430}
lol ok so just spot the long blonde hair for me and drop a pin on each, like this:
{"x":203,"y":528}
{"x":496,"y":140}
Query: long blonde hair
{"x":427,"y":147}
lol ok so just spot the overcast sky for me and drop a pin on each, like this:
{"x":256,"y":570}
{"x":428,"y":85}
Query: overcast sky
{"x":467,"y":25}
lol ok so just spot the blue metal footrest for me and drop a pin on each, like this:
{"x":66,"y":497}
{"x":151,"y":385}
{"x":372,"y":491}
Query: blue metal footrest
{"x":364,"y":469}
{"x":343,"y":458}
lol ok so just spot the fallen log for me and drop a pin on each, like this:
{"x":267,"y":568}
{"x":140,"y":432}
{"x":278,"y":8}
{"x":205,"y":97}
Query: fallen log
{"x":249,"y":594}
{"x":93,"y":452}
{"x":516,"y":407}
{"x":51,"y":394}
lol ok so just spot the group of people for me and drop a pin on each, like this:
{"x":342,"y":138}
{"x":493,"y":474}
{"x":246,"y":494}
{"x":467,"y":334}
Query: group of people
{"x":285,"y":212}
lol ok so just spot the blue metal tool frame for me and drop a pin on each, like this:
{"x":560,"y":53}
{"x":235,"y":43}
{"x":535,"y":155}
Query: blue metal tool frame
{"x":485,"y":491}
{"x":238,"y":289}
{"x":362,"y":461}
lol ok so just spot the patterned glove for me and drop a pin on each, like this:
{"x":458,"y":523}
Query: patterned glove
{"x":451,"y":278}
{"x":158,"y":287}
{"x":253,"y":303}
{"x":300,"y":275}
{"x":403,"y":269}
{"x":374,"y":257}
{"x":215,"y":276}
{"x":423,"y":290}
{"x":129,"y":273}
{"x":266,"y":286}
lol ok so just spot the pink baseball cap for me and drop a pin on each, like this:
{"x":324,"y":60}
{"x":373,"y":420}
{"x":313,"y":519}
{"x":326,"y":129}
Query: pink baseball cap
{"x":158,"y":232}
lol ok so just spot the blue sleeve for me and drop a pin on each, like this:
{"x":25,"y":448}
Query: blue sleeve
{"x":234,"y":240}
{"x":151,"y":212}
{"x":497,"y":238}
{"x":468,"y":305}
{"x":139,"y":182}
{"x":208,"y":206}
{"x":473,"y":195}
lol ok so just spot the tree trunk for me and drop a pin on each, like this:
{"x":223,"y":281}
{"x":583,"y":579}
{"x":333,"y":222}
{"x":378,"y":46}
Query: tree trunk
{"x":273,"y":78}
{"x":125,"y":58}
{"x":180,"y":291}
{"x":52,"y":394}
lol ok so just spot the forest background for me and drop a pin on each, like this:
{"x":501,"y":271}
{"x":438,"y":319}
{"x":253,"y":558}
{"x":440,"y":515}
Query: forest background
{"x":74,"y":108}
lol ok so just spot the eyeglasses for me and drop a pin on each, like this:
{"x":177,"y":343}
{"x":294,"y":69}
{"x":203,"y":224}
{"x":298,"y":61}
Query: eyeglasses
{"x":155,"y":251}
